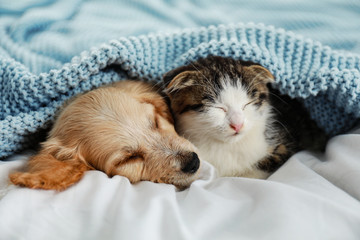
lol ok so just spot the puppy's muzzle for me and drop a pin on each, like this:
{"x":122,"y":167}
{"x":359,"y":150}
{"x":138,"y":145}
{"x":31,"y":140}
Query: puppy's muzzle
{"x":192,"y":164}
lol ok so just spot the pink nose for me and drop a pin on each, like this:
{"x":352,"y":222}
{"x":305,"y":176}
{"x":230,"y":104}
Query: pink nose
{"x":236,"y":126}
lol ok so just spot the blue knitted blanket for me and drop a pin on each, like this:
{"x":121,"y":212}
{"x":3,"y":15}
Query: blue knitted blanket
{"x":46,"y":55}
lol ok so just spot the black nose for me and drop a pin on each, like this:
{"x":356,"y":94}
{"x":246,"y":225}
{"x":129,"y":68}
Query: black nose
{"x":192,"y":165}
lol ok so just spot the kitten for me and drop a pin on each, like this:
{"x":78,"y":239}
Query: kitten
{"x":239,"y":124}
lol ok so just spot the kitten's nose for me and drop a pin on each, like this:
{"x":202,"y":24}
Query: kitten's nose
{"x":236,"y":120}
{"x":236,"y":126}
{"x":192,"y":165}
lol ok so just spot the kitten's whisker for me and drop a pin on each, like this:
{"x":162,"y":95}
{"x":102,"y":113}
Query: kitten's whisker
{"x":276,"y":110}
{"x":156,"y":85}
{"x":277,"y":96}
{"x":283,"y":126}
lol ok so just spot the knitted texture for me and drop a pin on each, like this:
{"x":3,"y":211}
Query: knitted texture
{"x":302,"y":68}
{"x":35,"y":81}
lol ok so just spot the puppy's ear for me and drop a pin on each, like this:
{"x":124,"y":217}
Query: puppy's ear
{"x":178,"y":78}
{"x":160,"y":105}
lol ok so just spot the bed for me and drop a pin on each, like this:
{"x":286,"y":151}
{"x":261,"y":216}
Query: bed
{"x":51,"y":50}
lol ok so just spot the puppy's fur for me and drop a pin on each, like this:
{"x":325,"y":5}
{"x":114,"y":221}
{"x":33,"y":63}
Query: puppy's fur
{"x":122,"y":129}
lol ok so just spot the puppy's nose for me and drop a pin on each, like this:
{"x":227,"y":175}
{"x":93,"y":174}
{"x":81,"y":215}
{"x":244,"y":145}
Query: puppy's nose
{"x":192,"y":165}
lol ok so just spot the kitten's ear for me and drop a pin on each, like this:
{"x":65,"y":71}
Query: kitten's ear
{"x":178,"y":78}
{"x":259,"y":71}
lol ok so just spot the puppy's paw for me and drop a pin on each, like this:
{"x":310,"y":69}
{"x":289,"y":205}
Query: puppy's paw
{"x":29,"y":180}
{"x":39,"y":181}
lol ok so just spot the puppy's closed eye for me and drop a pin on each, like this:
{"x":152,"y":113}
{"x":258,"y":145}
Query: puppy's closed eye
{"x":134,"y":156}
{"x":129,"y":165}
{"x":129,"y":157}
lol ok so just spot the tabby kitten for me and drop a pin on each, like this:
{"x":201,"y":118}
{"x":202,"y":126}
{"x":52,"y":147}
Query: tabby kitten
{"x":239,"y":124}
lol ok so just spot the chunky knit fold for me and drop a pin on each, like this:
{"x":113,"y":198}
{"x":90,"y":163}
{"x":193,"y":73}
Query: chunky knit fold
{"x":327,"y":81}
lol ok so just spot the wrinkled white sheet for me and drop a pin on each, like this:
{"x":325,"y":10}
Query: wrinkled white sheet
{"x":310,"y":197}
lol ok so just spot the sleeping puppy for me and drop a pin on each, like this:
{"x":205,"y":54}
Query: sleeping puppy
{"x":123,"y":129}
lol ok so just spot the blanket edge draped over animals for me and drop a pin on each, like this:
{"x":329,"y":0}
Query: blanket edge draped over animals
{"x":327,"y":81}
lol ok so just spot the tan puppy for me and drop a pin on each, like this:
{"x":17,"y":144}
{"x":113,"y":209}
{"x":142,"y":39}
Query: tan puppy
{"x":122,"y":129}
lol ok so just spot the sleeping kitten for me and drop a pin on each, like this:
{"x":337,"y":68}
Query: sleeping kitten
{"x":240,"y":125}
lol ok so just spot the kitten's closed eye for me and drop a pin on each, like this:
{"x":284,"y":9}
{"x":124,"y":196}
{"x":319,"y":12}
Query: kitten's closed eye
{"x":222,"y":108}
{"x":248,"y":104}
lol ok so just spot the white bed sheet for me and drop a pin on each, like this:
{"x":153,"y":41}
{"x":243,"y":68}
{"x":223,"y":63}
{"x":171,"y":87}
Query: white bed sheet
{"x":310,"y":197}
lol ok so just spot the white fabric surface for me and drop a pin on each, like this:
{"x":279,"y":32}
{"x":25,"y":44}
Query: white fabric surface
{"x":310,"y":197}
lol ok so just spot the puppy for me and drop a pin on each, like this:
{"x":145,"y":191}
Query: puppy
{"x":122,"y":129}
